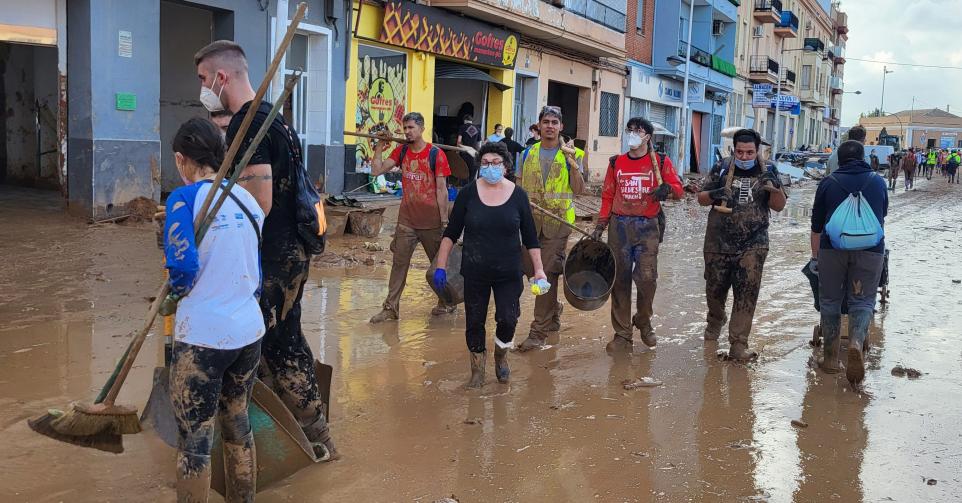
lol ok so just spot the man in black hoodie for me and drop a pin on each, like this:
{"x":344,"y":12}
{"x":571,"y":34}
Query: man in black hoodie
{"x":850,"y":276}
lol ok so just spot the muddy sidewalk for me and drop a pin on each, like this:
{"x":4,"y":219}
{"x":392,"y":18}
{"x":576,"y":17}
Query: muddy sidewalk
{"x":565,"y":429}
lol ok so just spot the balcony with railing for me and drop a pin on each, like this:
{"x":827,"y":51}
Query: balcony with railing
{"x":698,"y":56}
{"x":787,"y":26}
{"x":810,"y":95}
{"x":835,"y":84}
{"x":598,"y":12}
{"x":788,"y":80}
{"x":841,"y":23}
{"x":763,"y":69}
{"x":839,"y":54}
{"x":768,"y":11}
{"x":814,"y":44}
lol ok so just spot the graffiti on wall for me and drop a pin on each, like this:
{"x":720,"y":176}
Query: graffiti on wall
{"x":381,"y":99}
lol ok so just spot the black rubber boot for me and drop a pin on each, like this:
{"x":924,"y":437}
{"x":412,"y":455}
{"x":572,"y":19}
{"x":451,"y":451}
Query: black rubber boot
{"x":858,"y":323}
{"x":831,"y":343}
{"x":501,"y":365}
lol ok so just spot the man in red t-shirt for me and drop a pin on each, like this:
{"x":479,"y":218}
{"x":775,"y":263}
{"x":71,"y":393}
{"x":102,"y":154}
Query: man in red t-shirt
{"x":424,"y":207}
{"x":631,"y":203}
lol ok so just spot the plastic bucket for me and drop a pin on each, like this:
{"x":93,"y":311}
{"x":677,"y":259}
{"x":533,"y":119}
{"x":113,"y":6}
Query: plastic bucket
{"x":589,"y":274}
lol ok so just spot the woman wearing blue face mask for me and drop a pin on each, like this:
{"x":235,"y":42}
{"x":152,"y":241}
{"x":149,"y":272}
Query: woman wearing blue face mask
{"x":492,"y":212}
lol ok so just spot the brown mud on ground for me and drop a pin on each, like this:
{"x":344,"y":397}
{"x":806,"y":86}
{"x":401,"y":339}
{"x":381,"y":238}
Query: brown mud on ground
{"x":564,"y":429}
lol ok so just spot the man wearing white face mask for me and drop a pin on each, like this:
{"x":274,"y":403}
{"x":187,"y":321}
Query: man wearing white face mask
{"x":631,"y":203}
{"x":270,"y":177}
{"x":736,"y":242}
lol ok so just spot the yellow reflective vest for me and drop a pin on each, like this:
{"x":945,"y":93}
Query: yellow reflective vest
{"x":553,"y":194}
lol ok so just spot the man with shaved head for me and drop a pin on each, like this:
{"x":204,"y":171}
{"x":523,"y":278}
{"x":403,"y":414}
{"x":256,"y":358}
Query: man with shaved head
{"x":225,"y":85}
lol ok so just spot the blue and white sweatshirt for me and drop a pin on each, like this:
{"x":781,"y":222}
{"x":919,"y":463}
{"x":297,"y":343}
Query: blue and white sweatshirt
{"x":221,"y":279}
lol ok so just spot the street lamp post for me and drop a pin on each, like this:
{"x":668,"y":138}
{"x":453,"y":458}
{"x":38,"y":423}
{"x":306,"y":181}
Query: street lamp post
{"x":885,"y":71}
{"x":683,"y":129}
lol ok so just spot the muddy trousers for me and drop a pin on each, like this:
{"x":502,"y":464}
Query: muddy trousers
{"x":742,"y":274}
{"x":851,"y":277}
{"x":287,"y":357}
{"x":403,"y":245}
{"x":547,"y":309}
{"x":507,"y":310}
{"x":635,"y":243}
{"x":207,"y":384}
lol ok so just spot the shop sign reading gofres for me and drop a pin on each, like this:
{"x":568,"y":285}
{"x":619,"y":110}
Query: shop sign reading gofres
{"x":429,"y":29}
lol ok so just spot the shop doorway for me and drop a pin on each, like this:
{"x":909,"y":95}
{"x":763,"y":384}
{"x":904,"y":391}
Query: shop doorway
{"x":29,"y":148}
{"x":460,"y":90}
{"x":183,"y":31}
{"x":568,"y":98}
{"x":696,"y":136}
{"x":525,"y":106}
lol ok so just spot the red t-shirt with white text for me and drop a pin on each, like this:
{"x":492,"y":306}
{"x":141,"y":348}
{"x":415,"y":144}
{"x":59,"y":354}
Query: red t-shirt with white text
{"x":419,"y":200}
{"x":629,"y":184}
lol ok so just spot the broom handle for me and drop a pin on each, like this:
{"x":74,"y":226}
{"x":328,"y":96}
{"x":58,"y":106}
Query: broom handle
{"x":108,"y":394}
{"x":398,"y":139}
{"x":563,"y":221}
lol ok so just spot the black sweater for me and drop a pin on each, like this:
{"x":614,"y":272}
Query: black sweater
{"x":492,"y":249}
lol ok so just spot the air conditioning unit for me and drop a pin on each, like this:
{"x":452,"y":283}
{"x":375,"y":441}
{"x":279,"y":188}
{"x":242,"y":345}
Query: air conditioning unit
{"x":758,"y":31}
{"x":717,"y":28}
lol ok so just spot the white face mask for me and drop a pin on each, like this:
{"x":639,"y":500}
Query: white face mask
{"x":634,"y":140}
{"x":210,"y":100}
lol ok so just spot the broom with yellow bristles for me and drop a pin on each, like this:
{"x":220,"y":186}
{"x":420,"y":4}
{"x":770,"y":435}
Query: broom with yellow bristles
{"x":101,"y":425}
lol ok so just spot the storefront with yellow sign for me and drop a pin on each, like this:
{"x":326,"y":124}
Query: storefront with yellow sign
{"x":408,"y":57}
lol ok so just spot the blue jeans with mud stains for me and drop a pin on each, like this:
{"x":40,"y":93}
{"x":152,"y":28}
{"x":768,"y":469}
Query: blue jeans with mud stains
{"x":634,"y":241}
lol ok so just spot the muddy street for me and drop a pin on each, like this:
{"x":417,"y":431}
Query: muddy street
{"x":564,"y":429}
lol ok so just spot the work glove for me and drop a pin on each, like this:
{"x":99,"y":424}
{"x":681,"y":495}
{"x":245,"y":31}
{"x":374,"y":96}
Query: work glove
{"x":771,"y":177}
{"x":440,"y":279}
{"x":596,"y":234}
{"x":168,"y":306}
{"x":662,"y":192}
{"x":720,"y":194}
{"x":813,"y":266}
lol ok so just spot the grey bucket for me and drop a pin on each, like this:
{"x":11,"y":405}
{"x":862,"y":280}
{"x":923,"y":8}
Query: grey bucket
{"x":589,"y":274}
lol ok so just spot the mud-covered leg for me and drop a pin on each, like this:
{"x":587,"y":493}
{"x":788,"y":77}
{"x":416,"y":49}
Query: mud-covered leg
{"x":832,"y":271}
{"x":287,"y":354}
{"x":240,"y":467}
{"x":618,"y":241}
{"x":547,"y":310}
{"x":646,"y":277}
{"x":195,"y":387}
{"x":746,"y":284}
{"x":717,"y":284}
{"x":402,"y":247}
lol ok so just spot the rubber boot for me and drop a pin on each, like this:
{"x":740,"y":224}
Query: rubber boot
{"x":442,"y":309}
{"x":319,"y":434}
{"x":193,"y":478}
{"x":858,"y":322}
{"x":501,"y":364}
{"x":831,"y":344}
{"x":240,"y":470}
{"x":619,"y":344}
{"x":739,"y":352}
{"x":477,"y":370}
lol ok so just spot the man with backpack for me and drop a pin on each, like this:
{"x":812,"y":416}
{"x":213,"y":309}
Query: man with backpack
{"x":276,"y":177}
{"x":848,"y":247}
{"x":952,"y":166}
{"x":741,"y":190}
{"x":631,"y":203}
{"x":424,"y":208}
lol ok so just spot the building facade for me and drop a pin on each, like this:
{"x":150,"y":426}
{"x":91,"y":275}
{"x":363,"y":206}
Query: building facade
{"x":501,"y":61}
{"x":101,"y":134}
{"x":711,"y":69}
{"x":797,"y":48}
{"x":930,"y":128}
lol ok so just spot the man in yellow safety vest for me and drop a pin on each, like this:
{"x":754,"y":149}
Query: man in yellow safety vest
{"x":550,"y":173}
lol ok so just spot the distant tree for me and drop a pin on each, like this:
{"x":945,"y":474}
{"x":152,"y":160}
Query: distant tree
{"x":874,"y":113}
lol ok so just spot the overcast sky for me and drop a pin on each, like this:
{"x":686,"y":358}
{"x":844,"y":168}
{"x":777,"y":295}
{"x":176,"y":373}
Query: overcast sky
{"x":925,"y":32}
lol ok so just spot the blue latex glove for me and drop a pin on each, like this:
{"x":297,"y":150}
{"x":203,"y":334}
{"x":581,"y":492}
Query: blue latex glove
{"x":440,"y":278}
